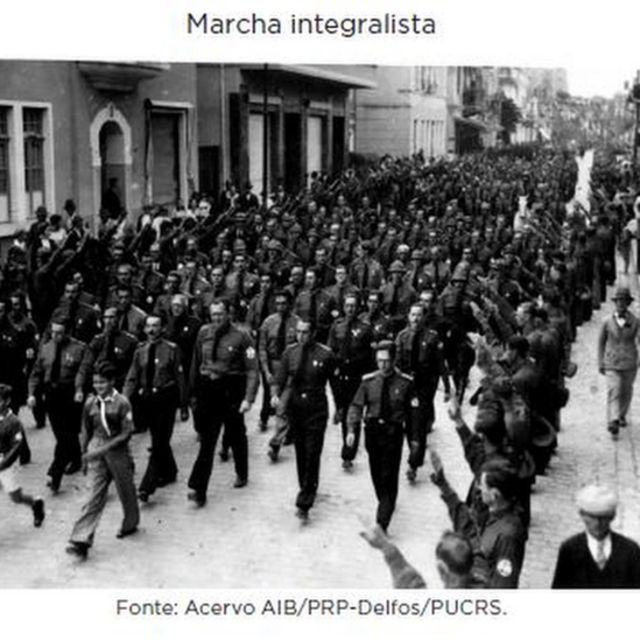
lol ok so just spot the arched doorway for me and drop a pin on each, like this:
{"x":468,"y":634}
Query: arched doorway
{"x":112,"y":167}
{"x":110,"y":136}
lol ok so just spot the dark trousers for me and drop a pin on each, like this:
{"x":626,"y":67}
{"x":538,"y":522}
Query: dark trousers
{"x":265,"y":409}
{"x":217,"y":403}
{"x":384,"y":446}
{"x":343,"y":392}
{"x":159,"y":411}
{"x":64,"y":416}
{"x":425,"y":390}
{"x":308,"y":422}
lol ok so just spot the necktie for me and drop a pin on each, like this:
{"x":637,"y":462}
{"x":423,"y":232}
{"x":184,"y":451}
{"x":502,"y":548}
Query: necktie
{"x":393,"y":306}
{"x":364,"y":278}
{"x":415,"y":351}
{"x":103,"y":415}
{"x":385,"y":400}
{"x":346,"y":343}
{"x":601,"y":558}
{"x":313,"y":305}
{"x":299,"y":376}
{"x":281,"y":339}
{"x":241,"y":284}
{"x":264,"y":308}
{"x":124,"y":322}
{"x":56,"y":366}
{"x":107,"y":353}
{"x":436,"y":274}
{"x":340,"y":299}
{"x":151,"y":367}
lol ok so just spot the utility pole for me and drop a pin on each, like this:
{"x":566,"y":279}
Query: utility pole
{"x":635,"y":98}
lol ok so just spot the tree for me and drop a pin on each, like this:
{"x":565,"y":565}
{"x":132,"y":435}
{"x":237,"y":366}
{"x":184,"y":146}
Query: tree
{"x":509,"y":117}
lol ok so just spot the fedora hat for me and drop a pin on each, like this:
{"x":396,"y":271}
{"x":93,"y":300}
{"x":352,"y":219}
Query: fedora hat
{"x":622,"y":293}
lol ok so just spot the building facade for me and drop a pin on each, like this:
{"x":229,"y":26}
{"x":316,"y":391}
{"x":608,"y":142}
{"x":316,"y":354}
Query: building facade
{"x":70,"y":129}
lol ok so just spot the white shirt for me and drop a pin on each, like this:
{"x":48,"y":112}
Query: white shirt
{"x":620,"y":320}
{"x":594,"y":544}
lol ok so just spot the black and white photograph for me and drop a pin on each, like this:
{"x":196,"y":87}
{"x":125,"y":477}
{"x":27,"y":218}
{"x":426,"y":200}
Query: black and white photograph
{"x":277,"y":325}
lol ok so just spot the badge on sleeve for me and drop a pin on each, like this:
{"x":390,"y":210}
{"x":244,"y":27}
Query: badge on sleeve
{"x":129,"y":416}
{"x":251,"y":353}
{"x":415,"y":403}
{"x":504,"y":567}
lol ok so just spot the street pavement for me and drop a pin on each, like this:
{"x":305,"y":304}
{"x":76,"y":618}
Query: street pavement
{"x":250,"y":537}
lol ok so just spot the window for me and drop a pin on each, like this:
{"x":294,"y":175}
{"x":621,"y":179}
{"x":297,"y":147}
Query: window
{"x":34,"y":183}
{"x":5,"y":164}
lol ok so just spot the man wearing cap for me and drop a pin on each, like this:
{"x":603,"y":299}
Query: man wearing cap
{"x":598,"y":558}
{"x":618,"y":359}
{"x":397,"y":296}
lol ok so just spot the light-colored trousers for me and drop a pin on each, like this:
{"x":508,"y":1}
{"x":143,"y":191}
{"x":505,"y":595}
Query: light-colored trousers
{"x":619,"y":393}
{"x":116,"y":465}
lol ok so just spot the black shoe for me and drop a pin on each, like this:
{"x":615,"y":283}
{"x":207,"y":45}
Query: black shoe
{"x":38,"y":512}
{"x":411,"y":475}
{"x":199,"y":498}
{"x":622,"y":422}
{"x":347,"y":465}
{"x":72,"y":467}
{"x":273,"y":454}
{"x":613,"y":428}
{"x":143,"y":496}
{"x":54,"y":485}
{"x":224,"y":455}
{"x":303,"y":515}
{"x":240,"y":482}
{"x":124,"y":534}
{"x":78,"y":550}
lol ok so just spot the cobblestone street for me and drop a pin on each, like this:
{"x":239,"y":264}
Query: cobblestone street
{"x":250,"y":537}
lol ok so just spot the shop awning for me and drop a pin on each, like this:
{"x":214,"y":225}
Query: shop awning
{"x":330,"y":76}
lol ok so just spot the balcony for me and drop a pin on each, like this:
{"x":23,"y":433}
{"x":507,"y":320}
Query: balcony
{"x":120,"y":77}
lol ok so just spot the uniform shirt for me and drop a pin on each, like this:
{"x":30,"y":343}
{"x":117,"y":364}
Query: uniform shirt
{"x":135,"y":321}
{"x":10,"y":432}
{"x":84,"y":320}
{"x":359,"y":358}
{"x":124,"y":346}
{"x":503,"y":542}
{"x":325,"y":306}
{"x":403,"y":403}
{"x":168,"y":371}
{"x":309,"y":377}
{"x":268,"y":341}
{"x":235,"y":356}
{"x":380,"y":325}
{"x":72,"y":368}
{"x":429,"y":358}
{"x":105,"y":418}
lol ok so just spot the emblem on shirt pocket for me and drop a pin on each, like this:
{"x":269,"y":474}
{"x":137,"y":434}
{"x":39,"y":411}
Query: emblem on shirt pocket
{"x":504,"y":567}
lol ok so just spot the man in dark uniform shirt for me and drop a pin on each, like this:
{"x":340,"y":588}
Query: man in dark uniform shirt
{"x":350,"y":339}
{"x":387,"y":401}
{"x":156,"y":386}
{"x":112,"y":345}
{"x":223,"y":383}
{"x":300,"y":384}
{"x":59,"y":374}
{"x":419,"y":353}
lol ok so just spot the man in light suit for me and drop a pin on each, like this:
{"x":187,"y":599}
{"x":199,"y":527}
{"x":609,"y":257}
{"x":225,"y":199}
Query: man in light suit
{"x":597,"y":558}
{"x":618,"y":359}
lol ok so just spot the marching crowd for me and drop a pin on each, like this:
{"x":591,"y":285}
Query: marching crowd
{"x":379,"y":287}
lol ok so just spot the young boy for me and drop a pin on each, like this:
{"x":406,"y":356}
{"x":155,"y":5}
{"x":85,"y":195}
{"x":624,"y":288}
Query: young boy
{"x":107,"y":425}
{"x":11,"y":442}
